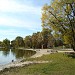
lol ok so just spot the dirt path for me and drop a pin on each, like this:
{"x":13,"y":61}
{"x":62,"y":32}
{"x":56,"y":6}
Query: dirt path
{"x":40,"y":52}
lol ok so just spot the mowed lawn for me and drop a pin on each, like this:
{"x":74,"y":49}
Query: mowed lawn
{"x":60,"y":64}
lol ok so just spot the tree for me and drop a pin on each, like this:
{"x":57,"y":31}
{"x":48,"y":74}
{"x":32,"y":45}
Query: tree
{"x":60,"y":18}
{"x":39,"y":40}
{"x":48,"y":39}
{"x":43,"y":39}
{"x":0,"y":43}
{"x":13,"y":44}
{"x":34,"y":40}
{"x":58,"y":39}
{"x":6,"y":43}
{"x":28,"y":42}
{"x":18,"y":42}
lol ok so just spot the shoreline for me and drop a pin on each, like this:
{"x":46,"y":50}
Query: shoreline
{"x":21,"y":64}
{"x":39,"y":53}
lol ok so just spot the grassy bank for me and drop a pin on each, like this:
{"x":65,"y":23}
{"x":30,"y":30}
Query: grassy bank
{"x":61,"y":65}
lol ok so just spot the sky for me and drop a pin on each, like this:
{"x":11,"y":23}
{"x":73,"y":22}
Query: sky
{"x":20,"y":17}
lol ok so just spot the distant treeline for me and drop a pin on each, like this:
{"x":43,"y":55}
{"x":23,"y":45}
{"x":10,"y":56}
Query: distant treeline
{"x":43,"y":39}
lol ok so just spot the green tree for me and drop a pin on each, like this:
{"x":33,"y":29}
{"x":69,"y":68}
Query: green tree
{"x":60,"y":17}
{"x":43,"y":39}
{"x":0,"y":43}
{"x":6,"y":43}
{"x":39,"y":40}
{"x":48,"y":39}
{"x":28,"y":42}
{"x":19,"y":42}
{"x":34,"y":40}
{"x":13,"y":44}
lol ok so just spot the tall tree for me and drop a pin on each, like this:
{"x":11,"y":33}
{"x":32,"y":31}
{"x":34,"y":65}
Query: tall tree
{"x":13,"y":44}
{"x":18,"y":42}
{"x":28,"y":42}
{"x":48,"y":39}
{"x":6,"y":43}
{"x":60,"y":17}
{"x":0,"y":43}
{"x":39,"y":40}
{"x":34,"y":40}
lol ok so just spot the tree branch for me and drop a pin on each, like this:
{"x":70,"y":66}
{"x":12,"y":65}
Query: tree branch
{"x":58,"y":20}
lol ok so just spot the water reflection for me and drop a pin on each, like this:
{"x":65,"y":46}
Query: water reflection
{"x":22,"y":53}
{"x":5,"y":52}
{"x":8,"y":55}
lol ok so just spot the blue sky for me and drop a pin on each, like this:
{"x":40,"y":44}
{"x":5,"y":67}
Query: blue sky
{"x":20,"y":17}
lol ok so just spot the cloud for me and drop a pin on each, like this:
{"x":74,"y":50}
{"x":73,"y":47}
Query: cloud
{"x":9,"y":21}
{"x":14,"y":6}
{"x":8,"y":10}
{"x":10,"y":34}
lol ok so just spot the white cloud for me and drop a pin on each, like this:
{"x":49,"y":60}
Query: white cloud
{"x":9,"y":21}
{"x":14,"y":6}
{"x":11,"y":34}
{"x":8,"y":32}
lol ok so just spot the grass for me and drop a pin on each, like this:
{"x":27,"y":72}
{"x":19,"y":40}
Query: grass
{"x":61,"y":65}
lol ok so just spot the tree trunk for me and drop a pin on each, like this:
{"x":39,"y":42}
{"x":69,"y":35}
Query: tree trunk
{"x":73,"y":47}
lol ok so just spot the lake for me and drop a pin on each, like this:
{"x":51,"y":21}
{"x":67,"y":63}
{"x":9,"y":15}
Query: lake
{"x":6,"y":56}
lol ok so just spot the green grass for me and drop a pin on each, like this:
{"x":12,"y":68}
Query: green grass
{"x":61,"y":65}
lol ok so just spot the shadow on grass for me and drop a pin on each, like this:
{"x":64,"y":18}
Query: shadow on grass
{"x":71,"y":55}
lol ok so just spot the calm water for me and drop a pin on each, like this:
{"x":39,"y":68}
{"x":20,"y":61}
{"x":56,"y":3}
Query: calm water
{"x":6,"y":56}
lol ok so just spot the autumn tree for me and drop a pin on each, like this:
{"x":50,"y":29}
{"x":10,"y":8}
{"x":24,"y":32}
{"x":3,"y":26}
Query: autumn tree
{"x":13,"y":44}
{"x":40,"y":40}
{"x":28,"y":42}
{"x":48,"y":39}
{"x":35,"y":40}
{"x":18,"y":42}
{"x":59,"y":16}
{"x":6,"y":43}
